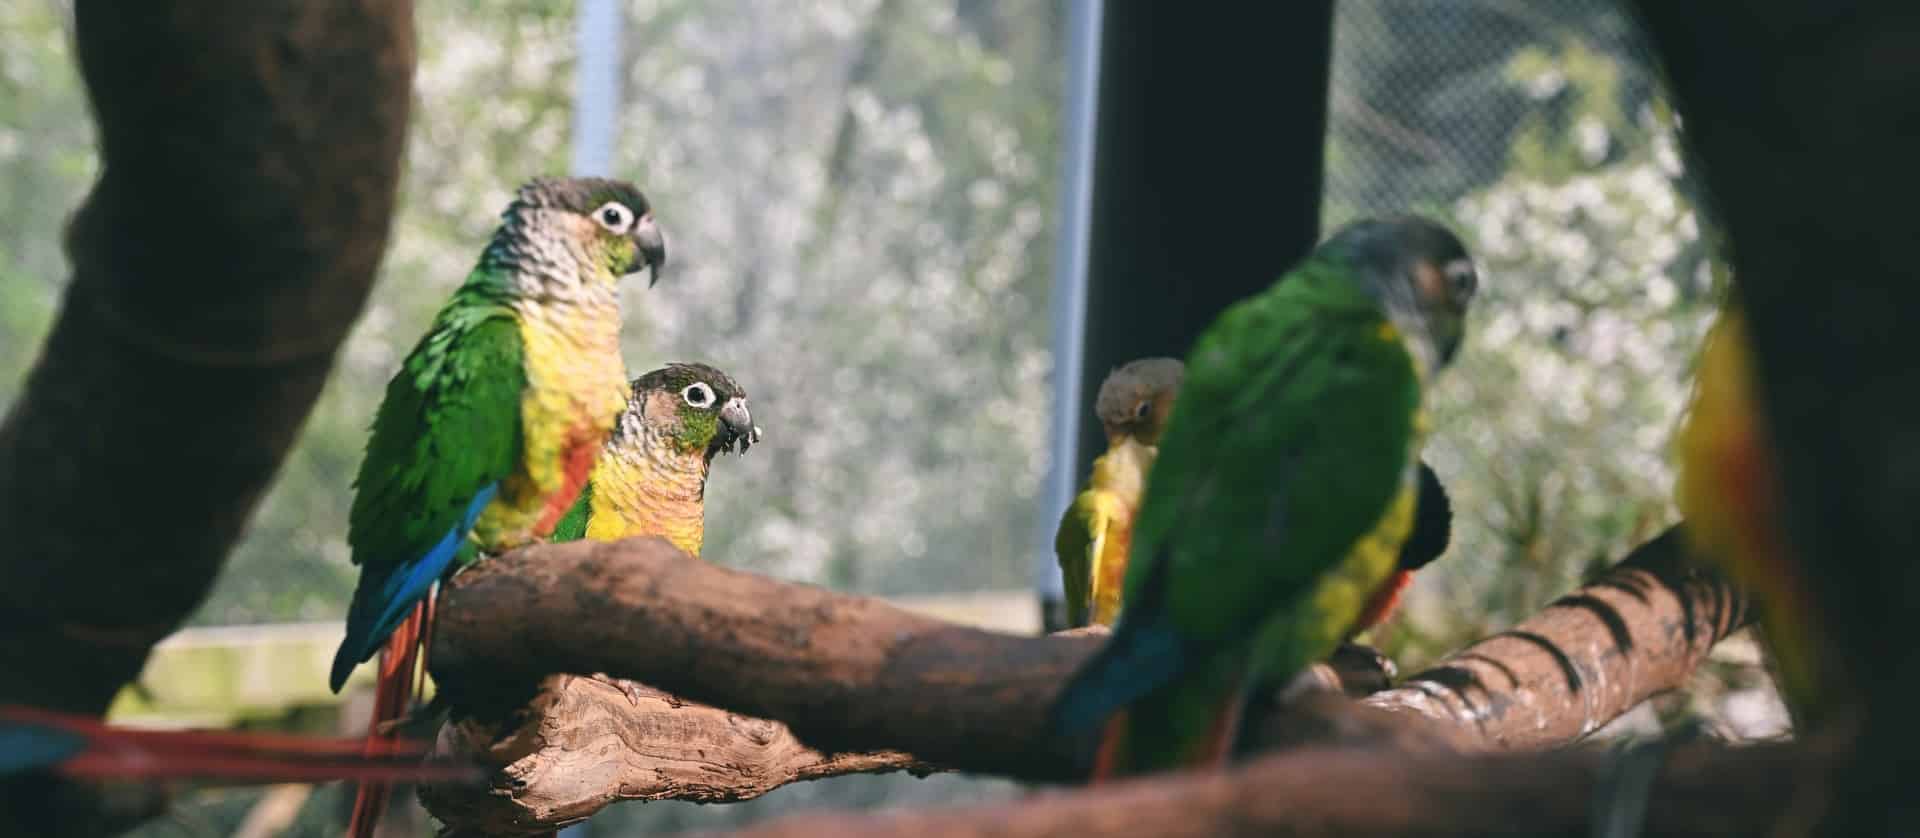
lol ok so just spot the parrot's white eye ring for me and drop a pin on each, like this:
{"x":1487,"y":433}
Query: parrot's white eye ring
{"x":614,"y":216}
{"x":698,"y":394}
{"x":1460,"y":275}
{"x":1142,"y":410}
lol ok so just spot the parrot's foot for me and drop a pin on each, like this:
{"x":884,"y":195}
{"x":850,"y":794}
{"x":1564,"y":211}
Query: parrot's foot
{"x":420,"y":723}
{"x":1363,"y":670}
{"x":627,"y":688}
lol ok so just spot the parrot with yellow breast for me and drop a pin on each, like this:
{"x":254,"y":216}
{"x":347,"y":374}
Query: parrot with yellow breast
{"x":1096,"y":528}
{"x":488,"y":430}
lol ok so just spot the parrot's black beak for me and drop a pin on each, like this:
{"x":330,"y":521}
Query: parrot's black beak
{"x":739,"y":424}
{"x":653,"y":247}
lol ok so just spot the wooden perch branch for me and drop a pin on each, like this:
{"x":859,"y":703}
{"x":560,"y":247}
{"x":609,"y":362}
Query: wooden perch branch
{"x":251,"y":152}
{"x":1378,"y":789}
{"x":1642,"y":628}
{"x":844,"y":671}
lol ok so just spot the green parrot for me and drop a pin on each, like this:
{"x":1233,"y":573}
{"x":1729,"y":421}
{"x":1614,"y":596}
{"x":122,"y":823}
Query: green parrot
{"x":651,"y":478}
{"x":490,"y":427}
{"x":1097,"y":527}
{"x":1284,"y":488}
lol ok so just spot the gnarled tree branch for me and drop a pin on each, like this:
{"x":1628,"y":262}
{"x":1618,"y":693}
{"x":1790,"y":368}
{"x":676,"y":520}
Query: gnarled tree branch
{"x":844,"y":671}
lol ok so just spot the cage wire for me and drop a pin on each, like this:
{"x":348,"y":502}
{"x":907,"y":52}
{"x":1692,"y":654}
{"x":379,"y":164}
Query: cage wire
{"x":1541,"y":132}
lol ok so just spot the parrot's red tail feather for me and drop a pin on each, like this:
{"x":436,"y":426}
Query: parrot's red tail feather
{"x":1216,"y":747}
{"x":1111,"y":753}
{"x":243,"y":758}
{"x":259,"y":769}
{"x":1381,"y":605}
{"x":393,"y":691}
{"x":187,"y":741}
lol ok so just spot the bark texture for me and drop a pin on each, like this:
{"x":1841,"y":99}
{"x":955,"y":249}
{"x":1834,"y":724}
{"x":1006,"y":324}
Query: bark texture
{"x":1383,"y":790}
{"x":841,"y":672}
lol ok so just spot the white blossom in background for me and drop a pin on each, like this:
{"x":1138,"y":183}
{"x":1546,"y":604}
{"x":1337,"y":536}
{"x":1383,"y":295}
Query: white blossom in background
{"x":859,"y":233}
{"x":1554,"y":423}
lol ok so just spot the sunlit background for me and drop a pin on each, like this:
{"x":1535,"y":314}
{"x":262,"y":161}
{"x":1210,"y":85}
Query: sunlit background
{"x":860,"y":197}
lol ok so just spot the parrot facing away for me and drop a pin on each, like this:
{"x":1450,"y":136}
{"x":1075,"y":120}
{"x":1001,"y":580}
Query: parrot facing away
{"x":82,"y":747}
{"x":1284,"y":488}
{"x":1728,"y":491}
{"x":651,"y":478}
{"x":488,"y":430}
{"x":1096,"y":528}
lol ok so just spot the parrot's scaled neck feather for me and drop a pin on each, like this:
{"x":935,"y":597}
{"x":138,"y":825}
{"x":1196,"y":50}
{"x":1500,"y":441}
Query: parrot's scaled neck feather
{"x":645,"y":485}
{"x":1122,"y":470}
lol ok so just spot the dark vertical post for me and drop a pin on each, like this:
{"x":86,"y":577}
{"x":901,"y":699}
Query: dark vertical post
{"x":1207,"y":153}
{"x":1803,"y":117}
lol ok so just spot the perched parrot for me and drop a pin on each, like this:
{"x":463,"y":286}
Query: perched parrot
{"x":651,"y":478}
{"x":82,"y":747}
{"x":1431,"y":533}
{"x":490,"y":427}
{"x":1728,"y":491}
{"x":1285,"y":486}
{"x":1094,"y":532}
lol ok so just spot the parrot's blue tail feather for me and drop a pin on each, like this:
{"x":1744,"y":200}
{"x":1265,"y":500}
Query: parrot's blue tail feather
{"x":397,"y":593}
{"x":1139,"y":660}
{"x":1145,"y":654}
{"x":25,"y":746}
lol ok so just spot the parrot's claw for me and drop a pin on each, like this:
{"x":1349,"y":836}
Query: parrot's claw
{"x":627,"y":688}
{"x":420,"y":722}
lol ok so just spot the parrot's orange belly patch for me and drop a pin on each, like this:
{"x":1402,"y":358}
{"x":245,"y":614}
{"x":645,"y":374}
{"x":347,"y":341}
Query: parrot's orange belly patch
{"x":576,"y":463}
{"x":1385,"y":599}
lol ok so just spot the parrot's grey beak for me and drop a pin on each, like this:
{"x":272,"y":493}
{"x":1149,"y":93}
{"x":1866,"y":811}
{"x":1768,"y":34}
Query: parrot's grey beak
{"x":653,"y":246}
{"x":739,"y":424}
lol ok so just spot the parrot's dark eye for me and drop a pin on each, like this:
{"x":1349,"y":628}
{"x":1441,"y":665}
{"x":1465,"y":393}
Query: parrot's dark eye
{"x":1142,"y":411}
{"x":614,"y":216}
{"x":1461,"y":278}
{"x":698,"y":395}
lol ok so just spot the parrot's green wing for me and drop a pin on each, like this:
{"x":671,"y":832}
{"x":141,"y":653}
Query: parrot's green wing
{"x":1081,"y":538}
{"x":447,"y":433}
{"x":1292,"y":444}
{"x":573,"y":525}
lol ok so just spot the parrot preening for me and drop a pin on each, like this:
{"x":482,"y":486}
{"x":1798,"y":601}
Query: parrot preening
{"x":1284,"y":488}
{"x":81,"y":747}
{"x":1729,"y":494}
{"x":1096,"y":528}
{"x":490,"y":427}
{"x":651,"y":478}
